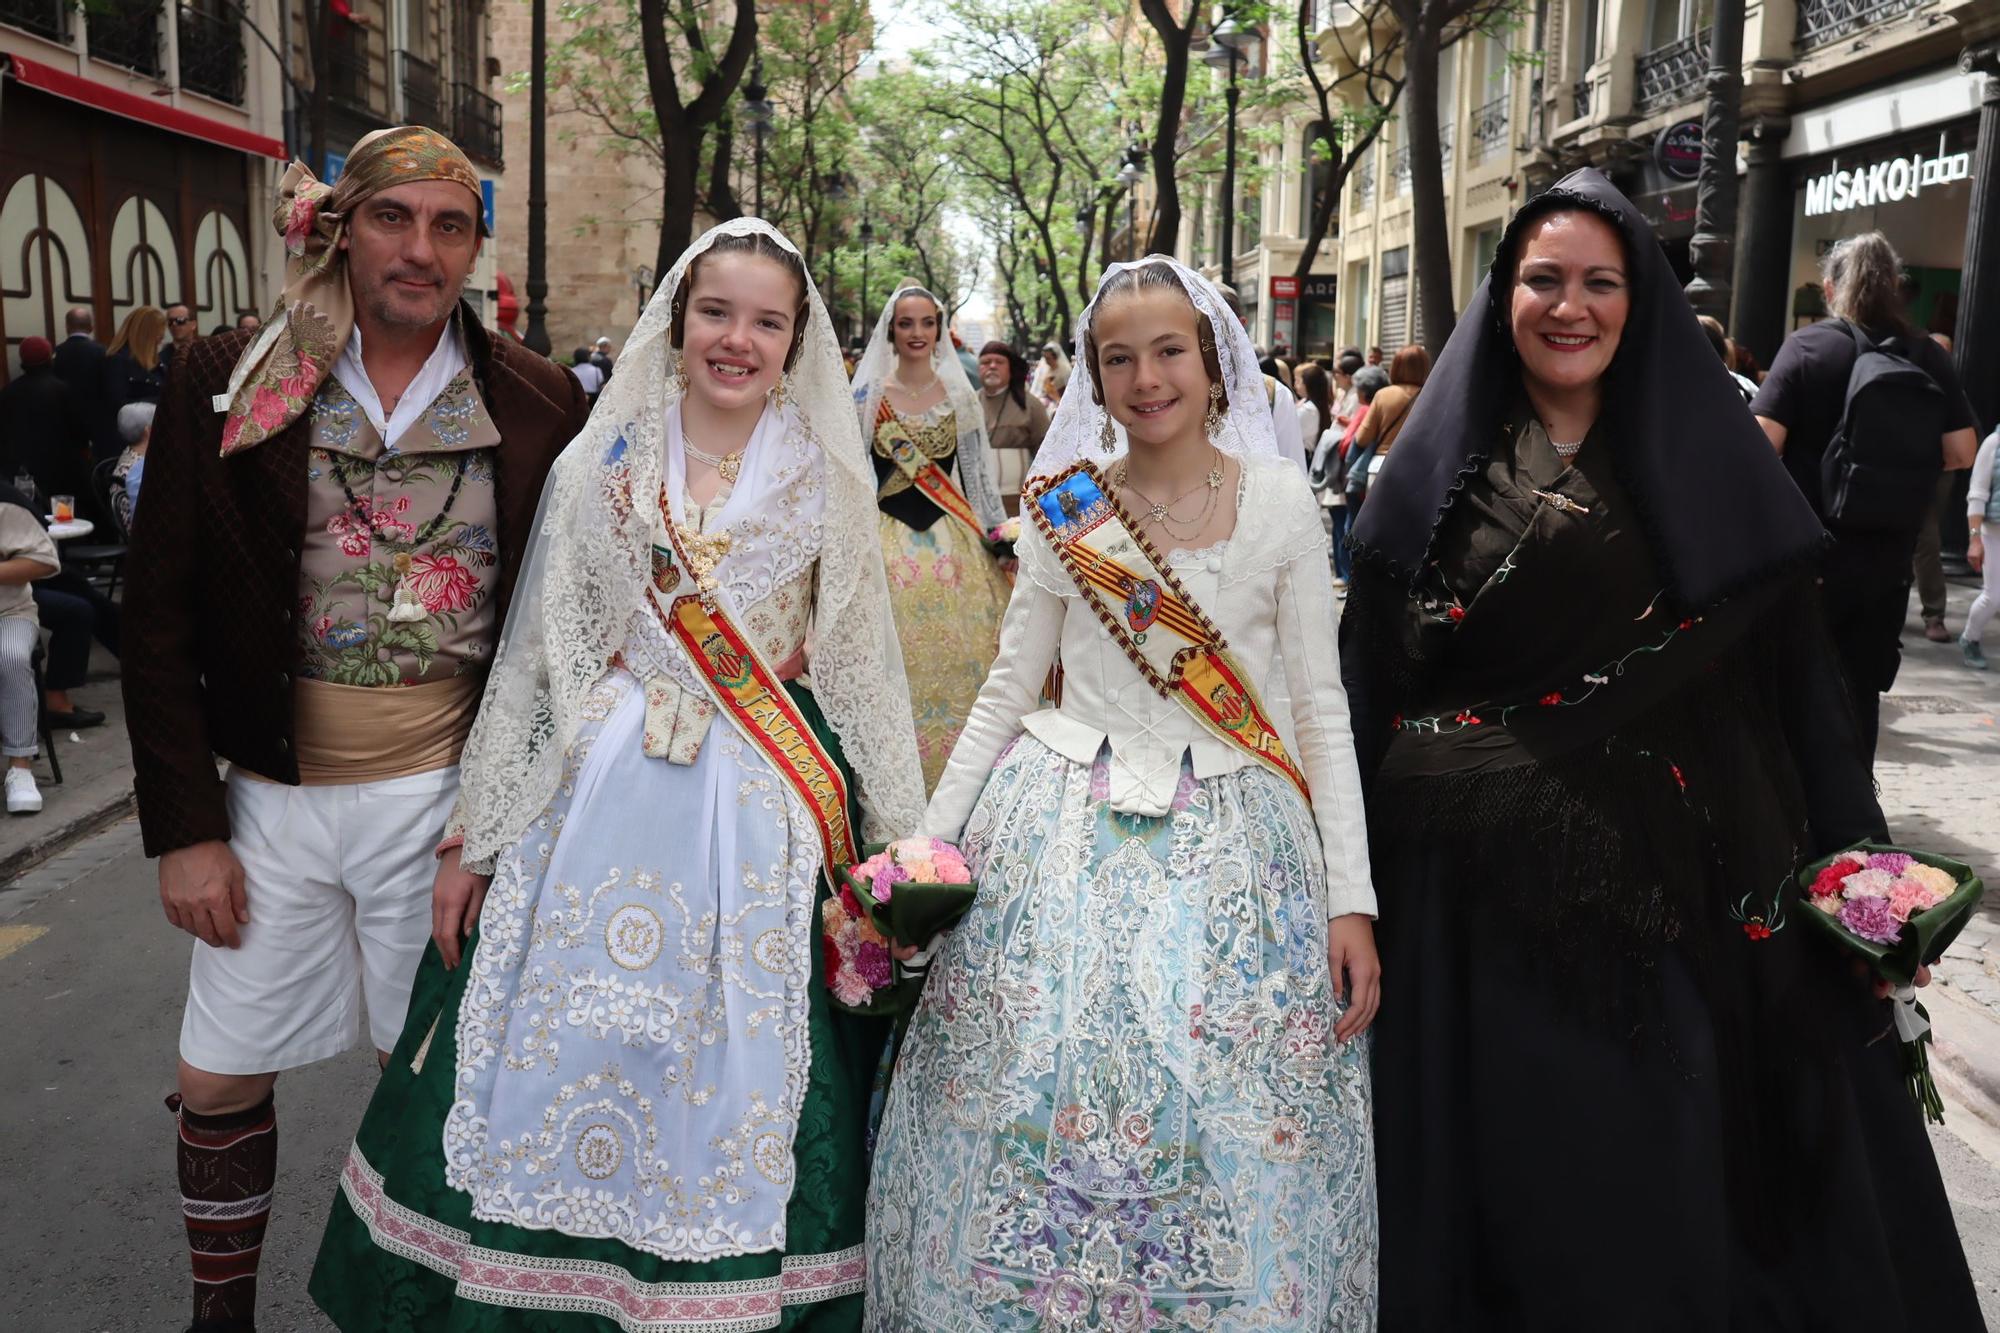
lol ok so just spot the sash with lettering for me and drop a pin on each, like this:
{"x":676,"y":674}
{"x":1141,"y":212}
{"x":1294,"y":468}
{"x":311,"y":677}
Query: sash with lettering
{"x":1145,"y":609}
{"x":930,"y":479}
{"x":743,"y":683}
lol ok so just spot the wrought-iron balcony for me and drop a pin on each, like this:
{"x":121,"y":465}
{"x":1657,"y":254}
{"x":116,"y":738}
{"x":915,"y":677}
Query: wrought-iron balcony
{"x":212,"y":56}
{"x":1671,"y":74}
{"x":1399,"y":168}
{"x":1364,"y":180}
{"x":44,"y":18}
{"x":1580,"y":99}
{"x":1488,"y":128}
{"x":1447,"y":141}
{"x":127,"y":32}
{"x":422,"y":104}
{"x":1822,"y":22}
{"x":476,"y":123}
{"x":350,"y":71}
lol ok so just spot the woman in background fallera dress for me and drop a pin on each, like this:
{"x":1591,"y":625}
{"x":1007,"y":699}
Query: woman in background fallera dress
{"x":935,"y":487}
{"x":1134,"y":1095}
{"x":631,"y":1104}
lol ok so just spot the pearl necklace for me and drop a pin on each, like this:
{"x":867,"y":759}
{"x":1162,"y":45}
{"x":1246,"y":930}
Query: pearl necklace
{"x":1565,"y":450}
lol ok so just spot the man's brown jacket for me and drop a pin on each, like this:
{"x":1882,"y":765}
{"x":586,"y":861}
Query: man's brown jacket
{"x":210,"y":636}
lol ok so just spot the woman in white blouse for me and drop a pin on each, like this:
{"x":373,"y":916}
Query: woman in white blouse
{"x":1134,"y":1094}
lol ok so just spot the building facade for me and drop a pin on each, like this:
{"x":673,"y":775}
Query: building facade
{"x":141,"y":144}
{"x":1483,"y":117}
{"x":1857,"y":115}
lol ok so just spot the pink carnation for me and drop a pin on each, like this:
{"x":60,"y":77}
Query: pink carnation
{"x":871,"y":960}
{"x":850,"y":988}
{"x":1871,"y":919}
{"x":1939,"y":882}
{"x":1893,"y":862}
{"x":1870,"y":883}
{"x":947,"y":873}
{"x":1909,"y":898}
{"x":879,"y":884}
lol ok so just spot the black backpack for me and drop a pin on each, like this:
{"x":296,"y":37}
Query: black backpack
{"x":1881,"y":468}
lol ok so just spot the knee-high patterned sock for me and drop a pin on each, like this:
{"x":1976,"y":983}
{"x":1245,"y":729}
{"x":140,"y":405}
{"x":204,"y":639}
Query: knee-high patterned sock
{"x":228,"y":1166}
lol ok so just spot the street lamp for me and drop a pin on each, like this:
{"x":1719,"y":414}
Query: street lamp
{"x":1129,"y":176}
{"x":833,"y":187}
{"x":757,"y":114}
{"x":867,"y":238}
{"x":1230,"y":45}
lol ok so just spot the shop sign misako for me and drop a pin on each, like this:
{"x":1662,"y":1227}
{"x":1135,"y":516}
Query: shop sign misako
{"x":1887,"y":182}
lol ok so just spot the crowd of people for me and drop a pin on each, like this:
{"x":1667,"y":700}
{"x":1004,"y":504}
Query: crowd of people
{"x":1365,"y":767}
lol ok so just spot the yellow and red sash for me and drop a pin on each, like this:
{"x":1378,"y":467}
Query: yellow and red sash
{"x":1149,"y":614}
{"x":748,"y":690}
{"x":930,"y":479}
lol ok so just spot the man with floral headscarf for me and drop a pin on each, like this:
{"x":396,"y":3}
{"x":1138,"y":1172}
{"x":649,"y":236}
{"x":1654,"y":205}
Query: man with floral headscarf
{"x":336,"y":507}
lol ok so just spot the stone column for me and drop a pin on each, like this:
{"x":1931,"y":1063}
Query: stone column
{"x":1977,"y":337}
{"x":1764,"y":257}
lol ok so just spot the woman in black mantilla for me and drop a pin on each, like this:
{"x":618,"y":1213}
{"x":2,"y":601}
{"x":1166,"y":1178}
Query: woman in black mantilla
{"x":1599,"y":725}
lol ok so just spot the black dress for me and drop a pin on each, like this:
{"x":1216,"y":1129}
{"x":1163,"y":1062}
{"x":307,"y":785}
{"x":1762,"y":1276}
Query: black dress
{"x":1617,"y":1086}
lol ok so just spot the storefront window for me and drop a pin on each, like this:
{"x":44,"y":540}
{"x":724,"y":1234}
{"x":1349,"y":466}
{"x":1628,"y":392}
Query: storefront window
{"x":1915,"y":189}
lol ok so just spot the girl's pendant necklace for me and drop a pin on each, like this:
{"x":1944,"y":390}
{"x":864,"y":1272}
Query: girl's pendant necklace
{"x":727,"y":466}
{"x":1159,"y":513}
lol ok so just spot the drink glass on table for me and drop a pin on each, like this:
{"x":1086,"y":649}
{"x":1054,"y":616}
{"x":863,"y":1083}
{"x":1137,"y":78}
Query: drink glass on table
{"x":63,"y":508}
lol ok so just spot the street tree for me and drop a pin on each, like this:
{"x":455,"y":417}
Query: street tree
{"x":1355,"y":99}
{"x":1426,"y":25}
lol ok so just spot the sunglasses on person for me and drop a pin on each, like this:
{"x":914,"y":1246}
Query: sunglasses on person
{"x":178,"y":320}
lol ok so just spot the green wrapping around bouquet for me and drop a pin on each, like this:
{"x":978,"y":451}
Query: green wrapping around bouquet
{"x":1926,"y":935}
{"x":916,"y":914}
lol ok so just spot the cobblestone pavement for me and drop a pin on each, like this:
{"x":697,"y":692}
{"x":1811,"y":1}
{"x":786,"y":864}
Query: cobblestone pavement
{"x":1938,"y":766}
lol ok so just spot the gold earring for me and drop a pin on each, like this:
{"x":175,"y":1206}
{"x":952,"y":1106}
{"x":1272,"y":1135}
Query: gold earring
{"x":680,"y":374}
{"x":1212,"y":423}
{"x":1107,"y":435}
{"x":779,"y":391}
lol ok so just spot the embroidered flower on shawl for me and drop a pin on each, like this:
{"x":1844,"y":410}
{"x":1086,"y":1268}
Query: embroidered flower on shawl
{"x":302,"y":382}
{"x":947,"y":571}
{"x":904,"y":572}
{"x":346,"y":634}
{"x":356,"y":543}
{"x":299,"y":225}
{"x":267,"y":409}
{"x":444,"y":584}
{"x":1871,"y":919}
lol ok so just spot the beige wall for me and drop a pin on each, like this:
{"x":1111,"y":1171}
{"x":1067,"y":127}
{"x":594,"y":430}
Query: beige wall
{"x":603,"y":214}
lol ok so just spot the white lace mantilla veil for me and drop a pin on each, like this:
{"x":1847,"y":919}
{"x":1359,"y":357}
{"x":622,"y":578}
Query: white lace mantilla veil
{"x":975,"y":452}
{"x":1076,"y":430}
{"x":589,"y":566}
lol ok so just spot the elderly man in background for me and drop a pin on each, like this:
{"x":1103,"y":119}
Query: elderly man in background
{"x":340,"y":505}
{"x":1016,"y":421}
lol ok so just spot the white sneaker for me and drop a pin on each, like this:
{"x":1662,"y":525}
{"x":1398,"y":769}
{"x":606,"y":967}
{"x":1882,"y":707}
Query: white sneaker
{"x":23,"y":798}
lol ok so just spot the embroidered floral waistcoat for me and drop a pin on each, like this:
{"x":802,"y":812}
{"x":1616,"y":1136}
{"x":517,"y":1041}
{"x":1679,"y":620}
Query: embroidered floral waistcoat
{"x":397,"y":571}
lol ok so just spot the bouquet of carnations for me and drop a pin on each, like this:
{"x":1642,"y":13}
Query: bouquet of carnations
{"x":906,"y":892}
{"x":1898,"y":910}
{"x":1000,"y":541}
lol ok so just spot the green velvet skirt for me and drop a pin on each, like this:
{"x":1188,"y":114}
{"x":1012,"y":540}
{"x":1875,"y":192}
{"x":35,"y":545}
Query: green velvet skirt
{"x":403,"y":1253}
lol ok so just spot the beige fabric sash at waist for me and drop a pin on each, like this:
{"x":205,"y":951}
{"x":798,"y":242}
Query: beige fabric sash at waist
{"x":347,"y":733}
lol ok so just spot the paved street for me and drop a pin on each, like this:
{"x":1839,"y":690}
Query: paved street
{"x":93,"y":977}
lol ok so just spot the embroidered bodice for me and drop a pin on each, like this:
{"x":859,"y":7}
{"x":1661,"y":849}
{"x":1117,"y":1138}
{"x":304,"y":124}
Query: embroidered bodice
{"x":399,"y":559}
{"x":935,"y":433}
{"x":1269,"y":590}
{"x":679,"y":710}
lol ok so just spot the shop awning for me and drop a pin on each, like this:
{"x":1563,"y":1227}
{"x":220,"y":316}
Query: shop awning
{"x":145,"y":110}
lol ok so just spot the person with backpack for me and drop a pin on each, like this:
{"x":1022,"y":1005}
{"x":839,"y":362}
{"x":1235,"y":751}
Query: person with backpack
{"x":1865,"y":412}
